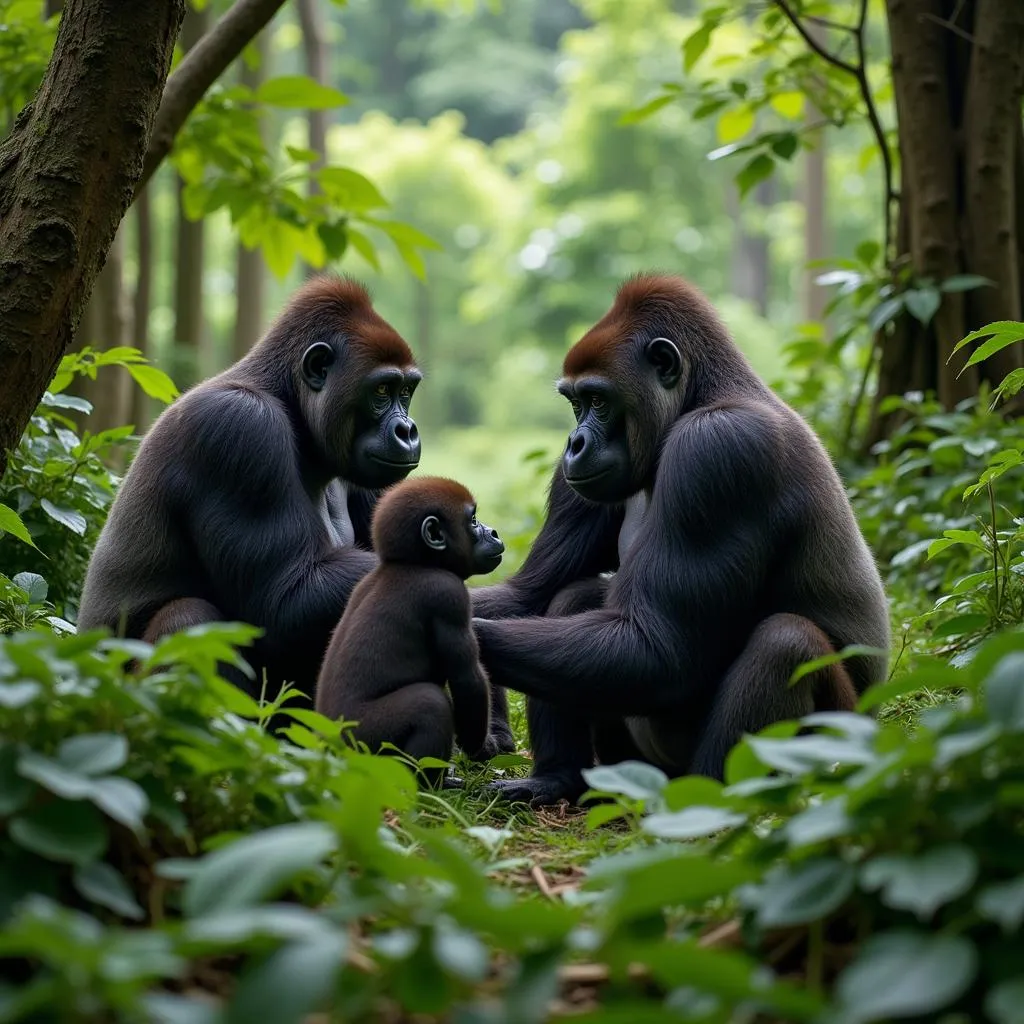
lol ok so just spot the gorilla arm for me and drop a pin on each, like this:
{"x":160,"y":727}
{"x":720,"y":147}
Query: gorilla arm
{"x":254,"y":529}
{"x":579,"y":539}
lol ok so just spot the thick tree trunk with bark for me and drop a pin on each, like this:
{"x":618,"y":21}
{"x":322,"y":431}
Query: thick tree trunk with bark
{"x":958,"y":76}
{"x":68,"y":172}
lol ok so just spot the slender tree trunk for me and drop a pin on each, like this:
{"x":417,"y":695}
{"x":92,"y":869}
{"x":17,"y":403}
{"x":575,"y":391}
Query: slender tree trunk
{"x":314,"y":46}
{"x":68,"y":172}
{"x":750,"y":267}
{"x":188,"y":262}
{"x":142,"y":300}
{"x":815,"y":225}
{"x":250,"y":272}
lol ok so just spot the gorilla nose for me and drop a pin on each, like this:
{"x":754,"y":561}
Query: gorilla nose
{"x":405,"y":436}
{"x":494,"y":535}
{"x":576,"y":443}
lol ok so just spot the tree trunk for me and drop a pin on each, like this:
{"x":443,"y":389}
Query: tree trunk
{"x":68,"y":172}
{"x":751,"y":263}
{"x":815,"y":226}
{"x":250,"y":272}
{"x":188,"y":262}
{"x":315,"y":48}
{"x":142,"y":301}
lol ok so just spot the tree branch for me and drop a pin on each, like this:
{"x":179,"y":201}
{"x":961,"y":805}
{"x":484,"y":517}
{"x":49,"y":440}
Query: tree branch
{"x":203,"y":65}
{"x":822,"y":51}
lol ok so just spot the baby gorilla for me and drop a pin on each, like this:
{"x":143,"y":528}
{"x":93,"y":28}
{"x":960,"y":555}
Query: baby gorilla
{"x":406,"y":629}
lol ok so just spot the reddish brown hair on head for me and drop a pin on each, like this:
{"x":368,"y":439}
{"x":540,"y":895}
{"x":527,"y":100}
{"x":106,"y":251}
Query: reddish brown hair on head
{"x":663,"y":300}
{"x":328,"y":303}
{"x":402,"y":509}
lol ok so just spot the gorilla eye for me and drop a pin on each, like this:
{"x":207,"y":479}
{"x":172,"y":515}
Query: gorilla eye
{"x":597,"y":403}
{"x":406,"y":392}
{"x":381,"y":389}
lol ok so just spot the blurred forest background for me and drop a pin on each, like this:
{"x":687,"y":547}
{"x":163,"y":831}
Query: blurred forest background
{"x":500,"y":133}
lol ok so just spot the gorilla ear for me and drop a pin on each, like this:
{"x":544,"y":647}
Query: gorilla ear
{"x":315,"y":362}
{"x":432,"y":534}
{"x":667,"y":360}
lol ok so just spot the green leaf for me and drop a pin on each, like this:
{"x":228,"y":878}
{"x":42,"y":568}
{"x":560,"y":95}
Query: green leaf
{"x":690,"y":790}
{"x":647,"y":110}
{"x":227,"y":929}
{"x":867,"y":252}
{"x":819,"y":823}
{"x":602,"y":814}
{"x":696,"y":43}
{"x":734,"y":124}
{"x":121,"y":799}
{"x":299,"y":92}
{"x":884,"y":312}
{"x":692,"y":822}
{"x":924,"y":883}
{"x":850,"y":651}
{"x":154,"y":382}
{"x":964,"y":283}
{"x":364,"y":247}
{"x":784,"y":145}
{"x":33,"y":585}
{"x":804,"y":892}
{"x":349,"y":189}
{"x":290,"y":984}
{"x":95,"y":753}
{"x":958,"y":625}
{"x":101,"y":884}
{"x":922,"y":303}
{"x":754,"y":172}
{"x":789,"y":105}
{"x":905,"y":974}
{"x":69,"y":517}
{"x":1003,"y":902}
{"x":257,"y":867}
{"x":68,"y":831}
{"x":10,"y":522}
{"x":1004,"y":691}
{"x":634,"y":779}
{"x":54,"y":777}
{"x":461,"y":953}
{"x":1004,"y":1004}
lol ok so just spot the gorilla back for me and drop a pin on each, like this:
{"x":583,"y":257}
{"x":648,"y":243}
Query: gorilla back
{"x":250,"y":498}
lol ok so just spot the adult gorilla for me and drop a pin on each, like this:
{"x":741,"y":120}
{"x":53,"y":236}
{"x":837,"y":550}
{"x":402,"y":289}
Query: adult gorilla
{"x":737,"y":555}
{"x":250,"y":498}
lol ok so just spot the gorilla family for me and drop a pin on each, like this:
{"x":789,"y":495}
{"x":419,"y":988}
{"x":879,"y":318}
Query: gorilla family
{"x":735,"y":553}
{"x":698,"y":545}
{"x":406,"y":630}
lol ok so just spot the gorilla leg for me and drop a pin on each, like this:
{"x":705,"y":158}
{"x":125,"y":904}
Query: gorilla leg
{"x":417,"y":719}
{"x":755,"y":692}
{"x":562,"y":741}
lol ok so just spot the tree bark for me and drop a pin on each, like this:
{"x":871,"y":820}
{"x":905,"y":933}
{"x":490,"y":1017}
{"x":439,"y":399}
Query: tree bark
{"x":928,"y":140}
{"x":250,"y":271}
{"x":68,"y":172}
{"x":188,"y":262}
{"x":220,"y":47}
{"x":142,"y":301}
{"x":815,"y":226}
{"x":991,"y":129}
{"x":314,"y":46}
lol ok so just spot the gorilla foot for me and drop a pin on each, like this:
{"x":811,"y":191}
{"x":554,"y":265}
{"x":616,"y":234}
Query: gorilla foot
{"x":495,"y":744}
{"x":540,"y":790}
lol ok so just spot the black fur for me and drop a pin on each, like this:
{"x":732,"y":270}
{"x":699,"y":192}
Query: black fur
{"x":250,"y":498}
{"x":747,"y":562}
{"x":406,"y":630}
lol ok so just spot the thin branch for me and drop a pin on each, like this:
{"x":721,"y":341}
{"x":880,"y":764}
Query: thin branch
{"x":823,"y":52}
{"x":199,"y":69}
{"x":859,"y":73}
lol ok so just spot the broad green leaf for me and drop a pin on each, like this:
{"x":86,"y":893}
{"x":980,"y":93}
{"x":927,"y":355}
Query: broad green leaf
{"x":1004,"y":1003}
{"x":1004,"y":691}
{"x":34,"y":586}
{"x":785,"y":145}
{"x":69,"y":517}
{"x":101,"y":884}
{"x":602,"y":814}
{"x":803,"y":754}
{"x":753,"y":173}
{"x":460,"y":953}
{"x":924,"y":883}
{"x":804,"y":892}
{"x":10,"y":522}
{"x":964,"y":283}
{"x":363,"y":246}
{"x":734,"y":124}
{"x":634,"y":779}
{"x":95,"y":753}
{"x":154,"y":382}
{"x":650,"y":108}
{"x":690,"y":790}
{"x":850,"y":651}
{"x":123,"y":800}
{"x":350,"y":189}
{"x":299,"y":92}
{"x":290,"y":984}
{"x":1003,"y":902}
{"x":692,"y":822}
{"x":256,"y":868}
{"x":68,"y":831}
{"x":788,"y":104}
{"x":958,"y":625}
{"x":905,"y":974}
{"x":884,"y":312}
{"x":54,"y":777}
{"x":696,"y":43}
{"x":1011,"y":328}
{"x":922,"y":303}
{"x":279,"y":245}
{"x":72,"y":402}
{"x":233,"y":928}
{"x":819,"y":823}
{"x":992,"y":346}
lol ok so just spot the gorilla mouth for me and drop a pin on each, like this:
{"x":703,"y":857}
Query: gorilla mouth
{"x":392,"y":462}
{"x":574,"y":480}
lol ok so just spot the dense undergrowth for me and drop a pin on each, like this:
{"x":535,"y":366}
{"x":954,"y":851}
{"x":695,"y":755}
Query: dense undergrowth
{"x":163,"y":858}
